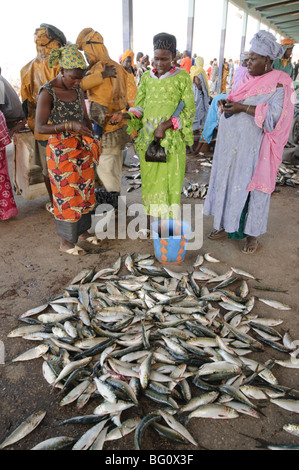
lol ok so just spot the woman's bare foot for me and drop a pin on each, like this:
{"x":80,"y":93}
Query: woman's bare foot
{"x":250,"y":246}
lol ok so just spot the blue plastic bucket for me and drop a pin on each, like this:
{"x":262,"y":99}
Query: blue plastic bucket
{"x":170,"y":240}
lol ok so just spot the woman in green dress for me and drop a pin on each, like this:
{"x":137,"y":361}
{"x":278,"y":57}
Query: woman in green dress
{"x":157,"y":116}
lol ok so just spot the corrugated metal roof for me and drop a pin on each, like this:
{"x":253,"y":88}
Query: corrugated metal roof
{"x":283,"y":17}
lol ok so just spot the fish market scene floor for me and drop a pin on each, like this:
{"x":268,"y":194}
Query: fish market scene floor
{"x":115,"y":350}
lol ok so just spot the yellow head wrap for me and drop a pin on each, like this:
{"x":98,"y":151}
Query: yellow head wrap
{"x":126,"y":54}
{"x":198,"y":69}
{"x":92,"y":43}
{"x":44,"y":44}
{"x":68,"y":57}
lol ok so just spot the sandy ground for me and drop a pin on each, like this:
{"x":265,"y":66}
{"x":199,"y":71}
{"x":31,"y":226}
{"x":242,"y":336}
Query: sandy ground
{"x":33,"y":272}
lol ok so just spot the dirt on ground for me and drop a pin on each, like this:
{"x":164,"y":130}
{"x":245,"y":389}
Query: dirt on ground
{"x":34,"y":271}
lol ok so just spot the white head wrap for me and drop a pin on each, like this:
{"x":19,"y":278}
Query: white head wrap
{"x":264,"y":43}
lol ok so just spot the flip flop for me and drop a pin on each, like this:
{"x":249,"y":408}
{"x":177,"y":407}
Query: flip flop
{"x":76,"y":251}
{"x":217,"y":234}
{"x":50,"y":208}
{"x":93,"y":240}
{"x":254,"y":247}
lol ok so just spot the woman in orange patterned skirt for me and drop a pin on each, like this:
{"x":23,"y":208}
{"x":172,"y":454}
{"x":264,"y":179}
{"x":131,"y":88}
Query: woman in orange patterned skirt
{"x":71,"y":150}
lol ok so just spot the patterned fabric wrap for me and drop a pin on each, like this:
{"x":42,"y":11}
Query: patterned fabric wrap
{"x":132,"y":89}
{"x":68,"y":57}
{"x":70,"y":161}
{"x":8,"y":206}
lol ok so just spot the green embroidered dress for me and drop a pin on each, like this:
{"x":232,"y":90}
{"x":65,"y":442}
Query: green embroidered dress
{"x":156,"y":101}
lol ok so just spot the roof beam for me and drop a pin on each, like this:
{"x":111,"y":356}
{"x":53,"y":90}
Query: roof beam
{"x":277,"y":5}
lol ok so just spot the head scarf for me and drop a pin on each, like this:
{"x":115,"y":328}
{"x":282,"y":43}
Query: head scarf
{"x":198,"y":69}
{"x":265,"y":44}
{"x":126,"y":54}
{"x":54,"y":33}
{"x":165,"y":41}
{"x":68,"y":57}
{"x":92,"y":43}
{"x":46,"y":40}
{"x":287,"y":44}
{"x":113,"y":92}
{"x":243,"y":56}
{"x":241,"y":71}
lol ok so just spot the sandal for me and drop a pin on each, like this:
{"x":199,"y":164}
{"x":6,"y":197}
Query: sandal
{"x":76,"y":251}
{"x":50,"y":208}
{"x":217,"y":234}
{"x":92,"y":239}
{"x":250,"y":246}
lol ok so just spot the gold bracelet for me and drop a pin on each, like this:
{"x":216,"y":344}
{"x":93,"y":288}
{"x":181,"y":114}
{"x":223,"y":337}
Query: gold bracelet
{"x":248,"y":108}
{"x":55,"y":129}
{"x":65,"y":127}
{"x":71,"y":125}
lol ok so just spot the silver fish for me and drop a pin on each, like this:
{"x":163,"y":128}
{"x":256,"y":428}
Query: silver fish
{"x":177,"y":426}
{"x":290,"y":405}
{"x":33,"y":353}
{"x":214,"y":411}
{"x":210,"y":258}
{"x":275,"y":304}
{"x":55,"y":443}
{"x":88,"y":438}
{"x":24,"y":429}
{"x":292,"y":429}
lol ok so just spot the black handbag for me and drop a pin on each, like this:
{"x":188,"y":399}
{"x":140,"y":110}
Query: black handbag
{"x":155,"y":153}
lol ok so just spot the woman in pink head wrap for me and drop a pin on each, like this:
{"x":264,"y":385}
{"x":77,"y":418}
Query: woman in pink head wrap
{"x":253,"y":131}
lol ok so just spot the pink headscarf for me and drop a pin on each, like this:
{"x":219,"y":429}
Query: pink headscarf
{"x":271,"y":151}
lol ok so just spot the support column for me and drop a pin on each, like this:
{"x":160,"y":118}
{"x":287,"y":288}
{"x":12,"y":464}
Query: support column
{"x":222,"y":44}
{"x":190,"y":27}
{"x":258,"y":25}
{"x":127,"y":6}
{"x":244,"y":31}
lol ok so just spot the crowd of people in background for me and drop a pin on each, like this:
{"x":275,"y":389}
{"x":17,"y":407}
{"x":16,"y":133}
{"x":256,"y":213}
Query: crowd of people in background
{"x":84,"y":108}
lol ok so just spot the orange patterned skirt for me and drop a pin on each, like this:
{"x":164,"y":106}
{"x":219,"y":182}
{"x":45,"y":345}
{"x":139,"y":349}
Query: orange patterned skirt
{"x":70,"y":161}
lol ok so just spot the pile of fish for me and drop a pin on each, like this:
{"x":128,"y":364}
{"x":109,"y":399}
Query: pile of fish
{"x":288,"y":175}
{"x":134,"y":178}
{"x":134,"y":181}
{"x":177,"y":342}
{"x":195,"y":190}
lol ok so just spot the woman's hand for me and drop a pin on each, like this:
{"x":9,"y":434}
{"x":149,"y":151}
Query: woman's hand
{"x":109,"y":71}
{"x":161,"y":129}
{"x":80,"y":128}
{"x":232,"y":108}
{"x":115,"y":118}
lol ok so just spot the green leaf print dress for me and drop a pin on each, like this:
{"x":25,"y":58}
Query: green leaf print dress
{"x":156,"y":101}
